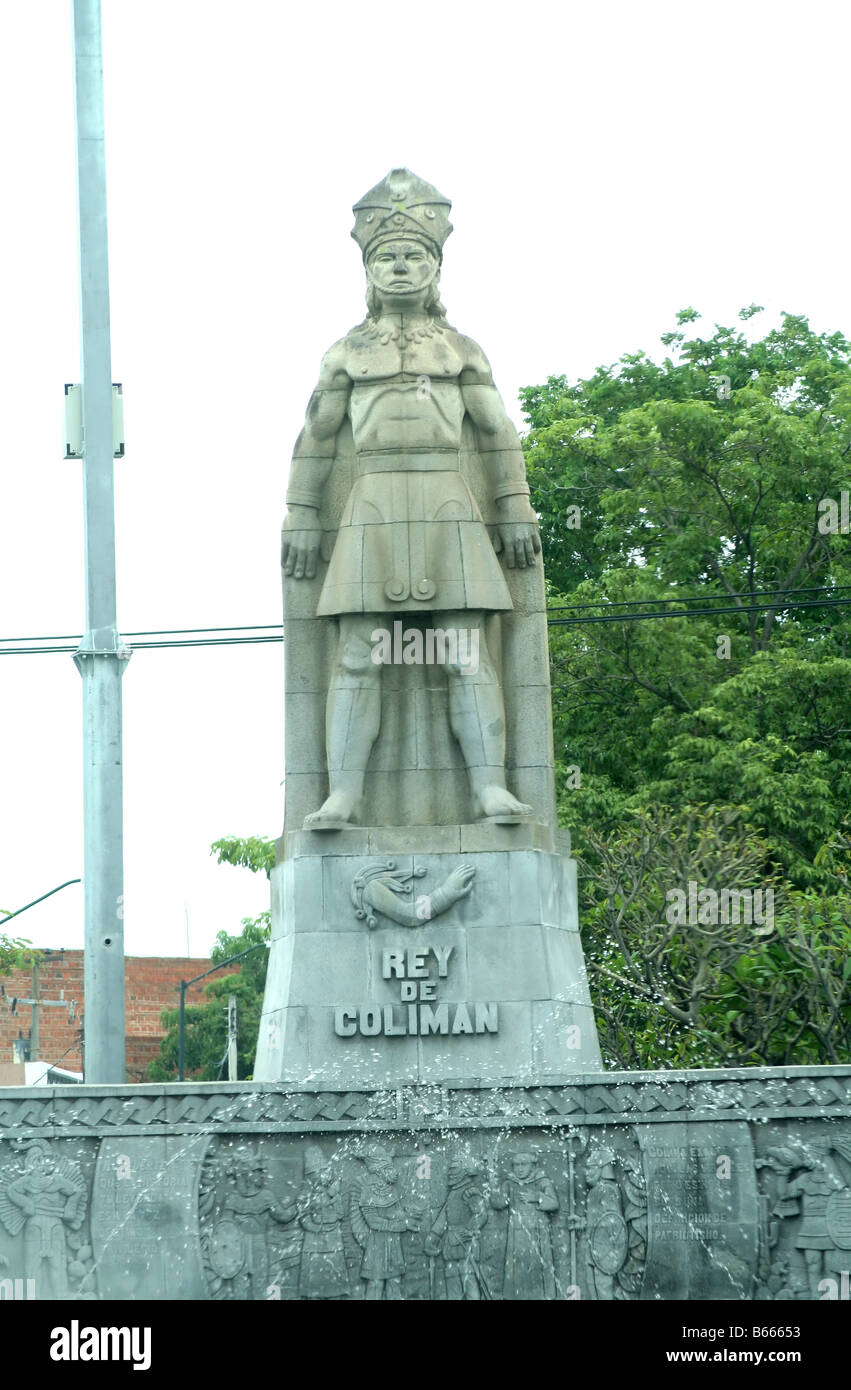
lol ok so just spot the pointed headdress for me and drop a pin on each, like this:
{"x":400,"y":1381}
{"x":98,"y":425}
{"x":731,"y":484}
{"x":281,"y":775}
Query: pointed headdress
{"x":402,"y":205}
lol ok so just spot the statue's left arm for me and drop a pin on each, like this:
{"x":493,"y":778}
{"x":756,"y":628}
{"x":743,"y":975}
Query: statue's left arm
{"x":499,"y":445}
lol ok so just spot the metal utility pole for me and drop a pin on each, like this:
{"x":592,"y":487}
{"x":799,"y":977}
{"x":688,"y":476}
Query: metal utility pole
{"x":36,"y":988}
{"x":36,"y":1004}
{"x":232,"y":1054}
{"x":101,"y":656}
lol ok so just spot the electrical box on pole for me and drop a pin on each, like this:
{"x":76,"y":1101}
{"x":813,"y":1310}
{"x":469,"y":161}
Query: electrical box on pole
{"x":74,"y":421}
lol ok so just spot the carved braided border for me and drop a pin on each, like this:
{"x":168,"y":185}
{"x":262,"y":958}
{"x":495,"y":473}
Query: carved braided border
{"x":224,"y":1110}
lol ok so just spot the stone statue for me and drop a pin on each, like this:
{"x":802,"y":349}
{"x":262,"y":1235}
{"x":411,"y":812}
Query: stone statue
{"x":405,"y":451}
{"x":418,"y":728}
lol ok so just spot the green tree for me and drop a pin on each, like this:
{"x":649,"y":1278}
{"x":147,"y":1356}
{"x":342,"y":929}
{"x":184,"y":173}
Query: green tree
{"x":702,"y":477}
{"x":206,"y":1024}
{"x":15,"y":952}
{"x":769,"y":987}
{"x":703,"y":483}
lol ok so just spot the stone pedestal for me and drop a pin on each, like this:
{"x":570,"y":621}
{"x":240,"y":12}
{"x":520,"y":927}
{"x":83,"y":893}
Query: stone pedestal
{"x":492,"y":991}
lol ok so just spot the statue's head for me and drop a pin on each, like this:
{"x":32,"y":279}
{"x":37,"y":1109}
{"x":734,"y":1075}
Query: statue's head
{"x":378,"y":1159}
{"x":601,"y":1164}
{"x":247,"y":1169}
{"x":523,"y":1165}
{"x":401,"y":226}
{"x":402,"y":274}
{"x":38,"y":1159}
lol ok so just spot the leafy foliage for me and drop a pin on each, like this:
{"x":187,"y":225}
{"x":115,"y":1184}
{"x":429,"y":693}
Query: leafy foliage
{"x":255,"y":853}
{"x":699,"y":480}
{"x":16,"y":953}
{"x":206,"y":1024}
{"x":768,"y":987}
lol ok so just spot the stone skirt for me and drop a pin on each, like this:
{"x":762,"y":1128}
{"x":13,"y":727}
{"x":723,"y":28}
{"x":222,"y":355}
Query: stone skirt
{"x":412,"y":539}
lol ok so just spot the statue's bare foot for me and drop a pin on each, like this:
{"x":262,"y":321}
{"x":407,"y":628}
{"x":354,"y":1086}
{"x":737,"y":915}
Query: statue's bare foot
{"x":336,"y":811}
{"x":498,"y":801}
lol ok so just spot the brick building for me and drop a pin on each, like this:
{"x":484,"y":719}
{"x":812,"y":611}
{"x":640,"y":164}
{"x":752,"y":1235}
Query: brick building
{"x":151,"y":986}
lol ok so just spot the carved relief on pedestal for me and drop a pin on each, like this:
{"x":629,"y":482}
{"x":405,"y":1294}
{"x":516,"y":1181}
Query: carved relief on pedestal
{"x":237,"y":1208}
{"x":454,"y":1234}
{"x":378,"y":1218}
{"x":607,"y":1215}
{"x":322,"y":1210}
{"x":805,"y":1218}
{"x":383,"y":890}
{"x":43,"y":1210}
{"x":530,"y":1197}
{"x":615,"y":1223}
{"x":411,"y":1217}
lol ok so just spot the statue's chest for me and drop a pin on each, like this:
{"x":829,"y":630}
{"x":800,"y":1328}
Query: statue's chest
{"x":400,"y":354}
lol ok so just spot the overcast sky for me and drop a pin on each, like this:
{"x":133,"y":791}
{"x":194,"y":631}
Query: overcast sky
{"x":608,"y":164}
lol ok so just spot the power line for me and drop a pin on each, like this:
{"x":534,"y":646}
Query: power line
{"x":697,"y":612}
{"x":698,"y":598}
{"x":149,"y":632}
{"x":551,"y":608}
{"x":273,"y":632}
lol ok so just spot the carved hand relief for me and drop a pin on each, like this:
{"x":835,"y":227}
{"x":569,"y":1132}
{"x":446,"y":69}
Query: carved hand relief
{"x":383,"y":889}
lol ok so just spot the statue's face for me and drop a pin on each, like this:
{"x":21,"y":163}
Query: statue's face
{"x":522,"y":1168}
{"x":402,"y":268}
{"x":382,"y":1168}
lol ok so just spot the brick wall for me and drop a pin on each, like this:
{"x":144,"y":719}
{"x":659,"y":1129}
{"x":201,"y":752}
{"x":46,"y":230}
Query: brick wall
{"x":150,"y":987}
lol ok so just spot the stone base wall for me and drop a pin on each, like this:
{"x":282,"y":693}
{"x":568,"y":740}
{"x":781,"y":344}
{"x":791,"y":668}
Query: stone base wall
{"x":631,"y":1186}
{"x":492,"y":988}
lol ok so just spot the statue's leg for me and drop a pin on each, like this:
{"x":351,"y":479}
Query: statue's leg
{"x":352,"y":720}
{"x":477,"y":715}
{"x":814,"y":1262}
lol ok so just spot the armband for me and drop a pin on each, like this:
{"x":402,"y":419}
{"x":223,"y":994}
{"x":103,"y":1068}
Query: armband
{"x":303,"y":497}
{"x":510,"y":489}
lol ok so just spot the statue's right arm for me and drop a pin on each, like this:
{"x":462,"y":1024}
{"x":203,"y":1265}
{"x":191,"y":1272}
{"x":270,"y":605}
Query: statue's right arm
{"x":313,"y":458}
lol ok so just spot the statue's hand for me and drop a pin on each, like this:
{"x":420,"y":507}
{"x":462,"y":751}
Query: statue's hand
{"x":460,"y":881}
{"x":300,"y":539}
{"x":521,"y":541}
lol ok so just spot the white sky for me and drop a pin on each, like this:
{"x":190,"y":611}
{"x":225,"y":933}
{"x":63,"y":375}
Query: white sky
{"x":608,"y":164}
